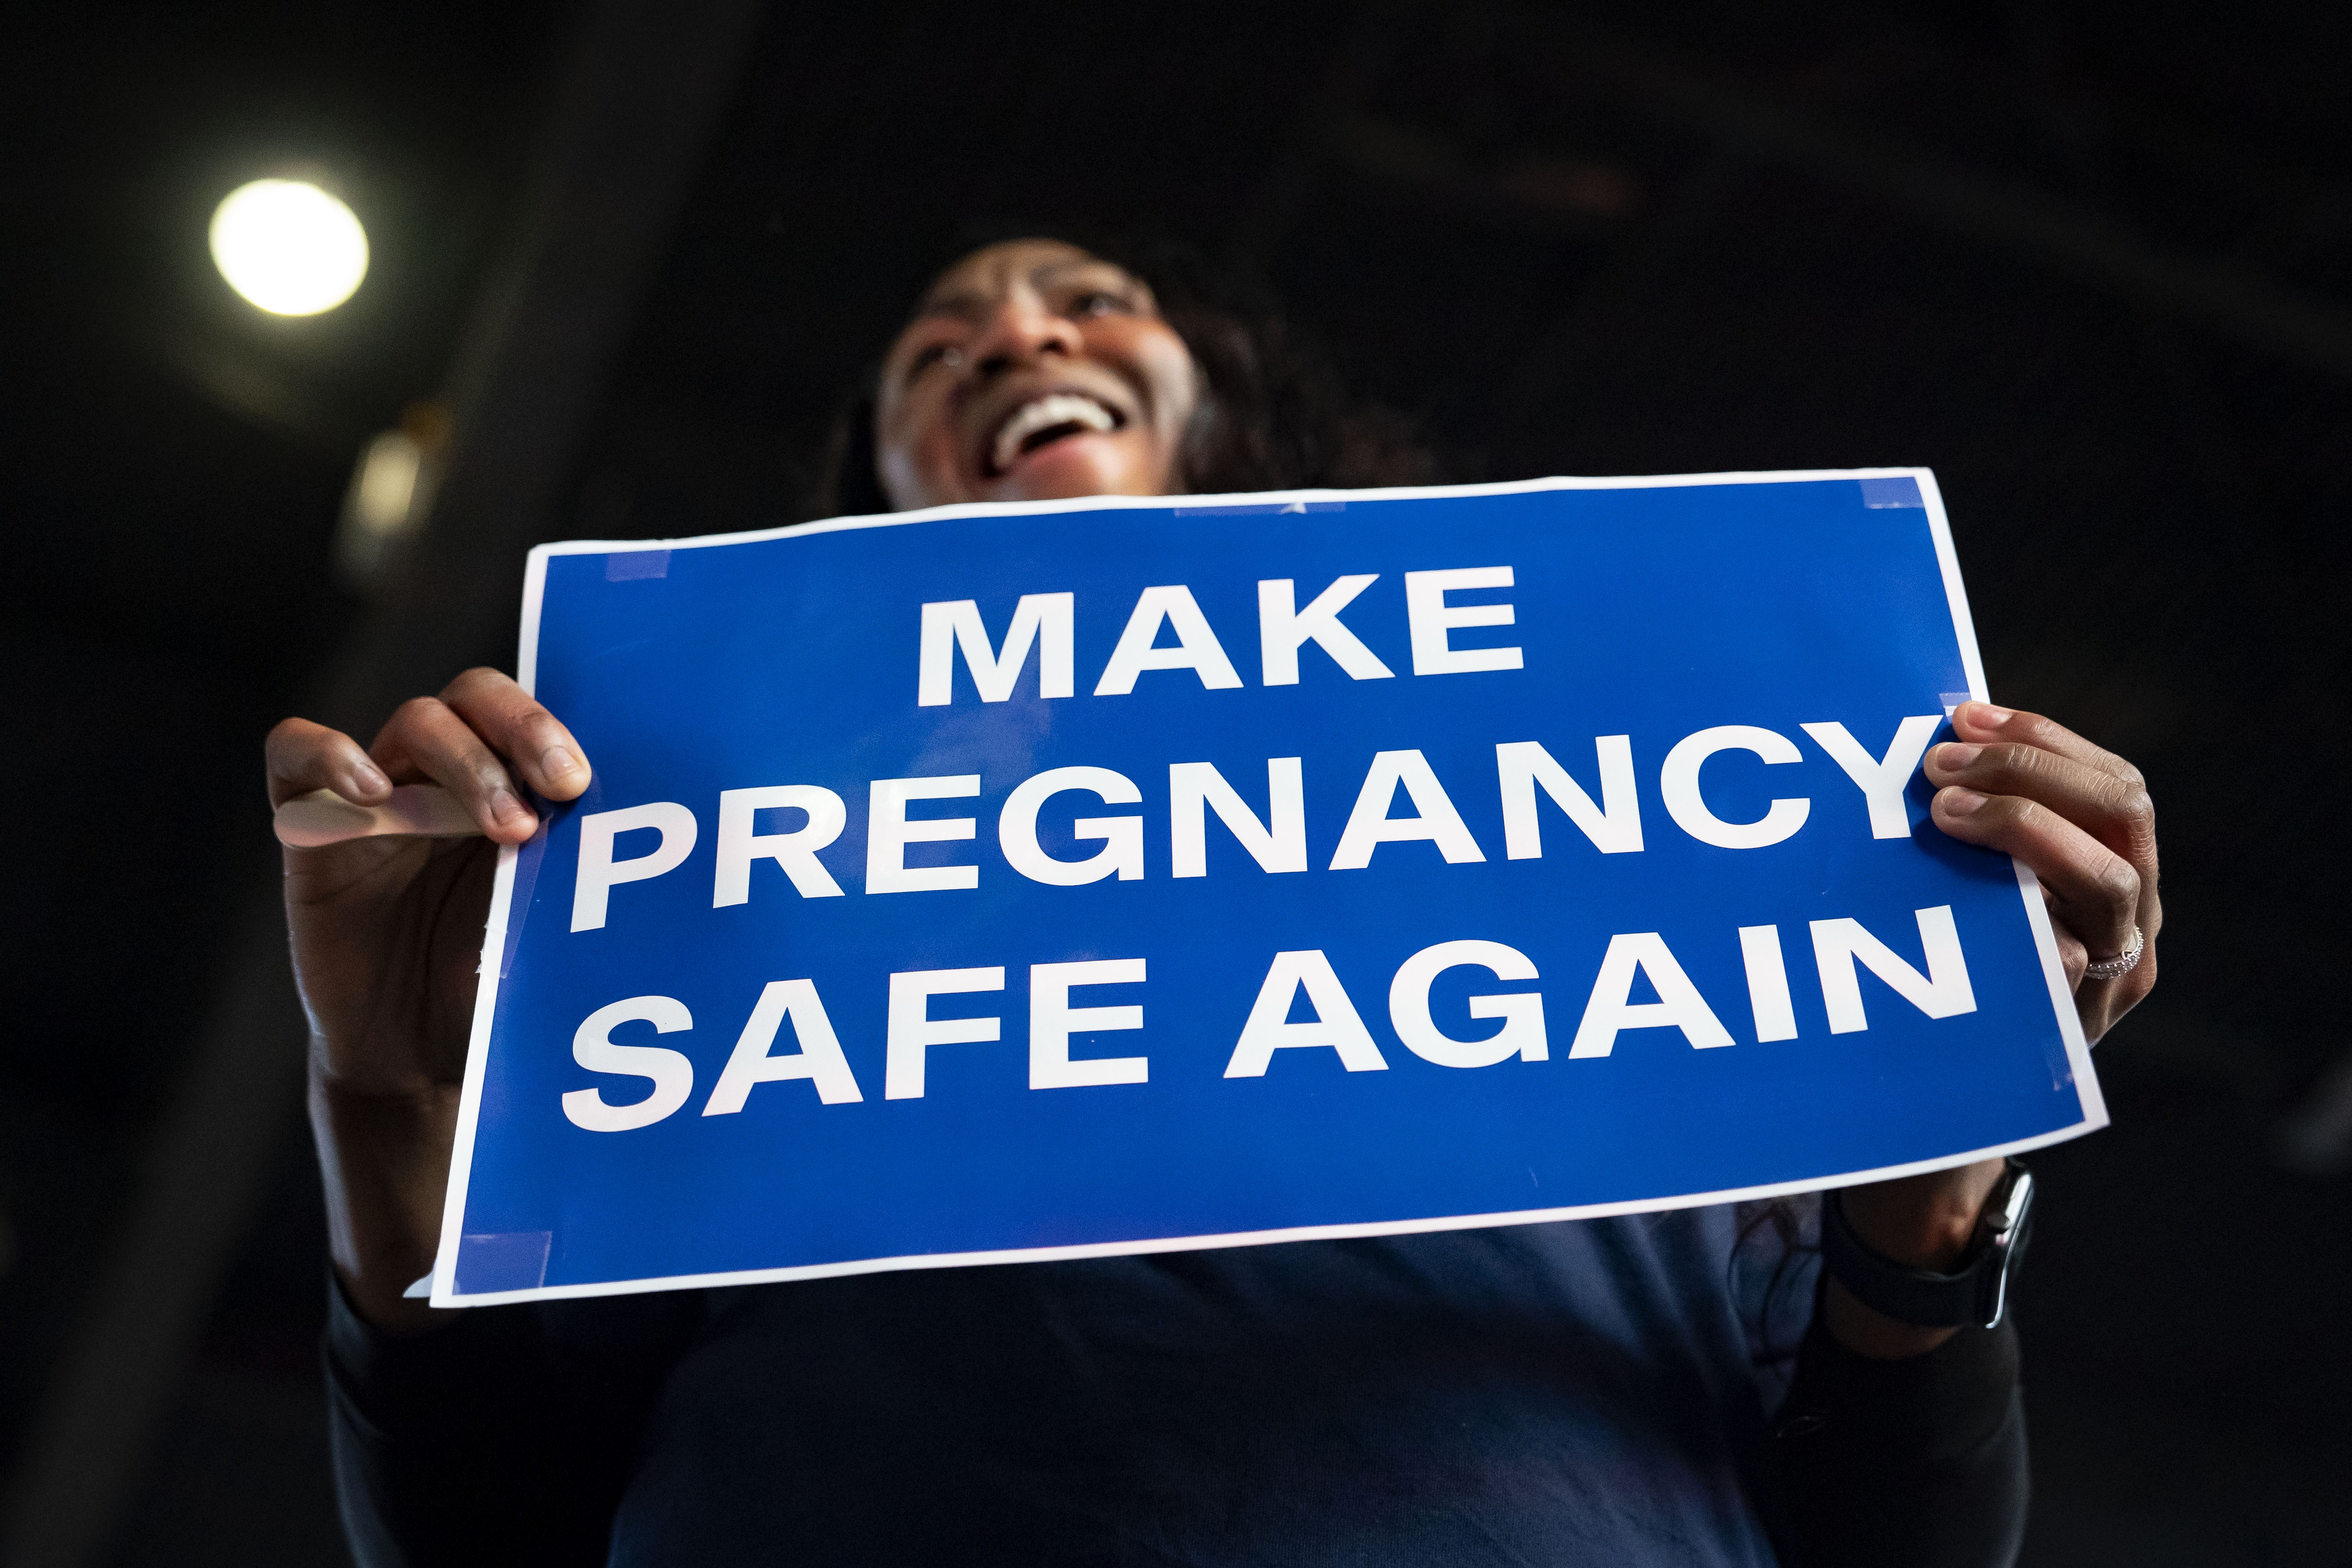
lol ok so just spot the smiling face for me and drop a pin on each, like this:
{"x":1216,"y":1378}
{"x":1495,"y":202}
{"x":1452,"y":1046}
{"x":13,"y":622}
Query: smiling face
{"x":1032,"y":371}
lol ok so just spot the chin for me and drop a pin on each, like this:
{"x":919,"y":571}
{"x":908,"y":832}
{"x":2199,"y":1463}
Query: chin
{"x":1069,"y":469}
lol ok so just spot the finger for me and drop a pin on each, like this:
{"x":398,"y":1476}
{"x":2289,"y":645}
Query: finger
{"x":2103,"y":1002}
{"x":533,"y":740}
{"x":301,"y":756}
{"x":2116,"y":811}
{"x":426,"y":740}
{"x":1983,"y":721}
{"x":2073,"y":955}
{"x":2094,"y":889}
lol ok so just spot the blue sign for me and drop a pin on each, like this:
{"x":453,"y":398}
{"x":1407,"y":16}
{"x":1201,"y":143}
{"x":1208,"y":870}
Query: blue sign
{"x":1119,"y":875}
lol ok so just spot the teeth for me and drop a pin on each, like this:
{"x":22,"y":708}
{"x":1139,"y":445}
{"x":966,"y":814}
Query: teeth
{"x":1044,"y":414}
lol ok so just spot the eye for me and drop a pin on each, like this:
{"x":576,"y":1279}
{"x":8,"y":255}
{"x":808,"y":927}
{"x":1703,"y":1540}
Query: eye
{"x":931,"y":355}
{"x":1098,"y":302}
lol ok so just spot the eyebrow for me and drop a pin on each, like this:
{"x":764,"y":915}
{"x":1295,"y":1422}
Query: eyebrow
{"x":961,"y":302}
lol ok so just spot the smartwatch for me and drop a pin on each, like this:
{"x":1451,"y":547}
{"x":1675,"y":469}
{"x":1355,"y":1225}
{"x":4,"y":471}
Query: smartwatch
{"x":1972,"y":1295}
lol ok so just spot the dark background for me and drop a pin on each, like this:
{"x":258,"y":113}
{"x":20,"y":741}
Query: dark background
{"x":2093,"y":262}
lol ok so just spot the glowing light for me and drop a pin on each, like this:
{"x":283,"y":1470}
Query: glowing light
{"x":384,"y":488}
{"x":289,"y":246}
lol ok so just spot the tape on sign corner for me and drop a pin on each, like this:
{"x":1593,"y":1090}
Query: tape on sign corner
{"x":1263,"y":509}
{"x":637,"y":565}
{"x":1894,"y":491}
{"x":422,"y":1291}
{"x":527,"y":865}
{"x":509,"y":1260}
{"x":1952,"y":699}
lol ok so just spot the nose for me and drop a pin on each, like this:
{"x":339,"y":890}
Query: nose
{"x":1021,"y":332}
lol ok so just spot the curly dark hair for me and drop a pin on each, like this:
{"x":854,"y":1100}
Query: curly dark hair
{"x":1273,"y":414}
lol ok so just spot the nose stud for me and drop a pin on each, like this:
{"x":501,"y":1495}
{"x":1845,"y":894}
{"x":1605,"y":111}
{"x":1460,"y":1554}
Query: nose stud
{"x":951,"y":358}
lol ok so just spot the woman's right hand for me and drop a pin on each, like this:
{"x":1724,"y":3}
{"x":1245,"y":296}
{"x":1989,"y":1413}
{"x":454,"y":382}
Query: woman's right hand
{"x":387,"y":937}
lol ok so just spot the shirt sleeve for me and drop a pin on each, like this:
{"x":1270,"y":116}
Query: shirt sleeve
{"x":457,"y":1447}
{"x":1920,"y":1461}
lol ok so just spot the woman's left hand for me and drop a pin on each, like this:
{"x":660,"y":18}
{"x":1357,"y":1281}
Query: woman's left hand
{"x":2080,"y":818}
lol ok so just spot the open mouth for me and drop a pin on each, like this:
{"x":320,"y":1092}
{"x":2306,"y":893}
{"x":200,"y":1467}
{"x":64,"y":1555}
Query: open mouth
{"x":1042,"y":421}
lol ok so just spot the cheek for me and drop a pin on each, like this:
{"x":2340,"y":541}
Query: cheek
{"x":1175,"y":382}
{"x":1155,"y":358}
{"x":915,"y":449}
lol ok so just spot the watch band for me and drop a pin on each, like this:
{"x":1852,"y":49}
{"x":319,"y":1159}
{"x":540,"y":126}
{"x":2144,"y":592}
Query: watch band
{"x":1974,"y":1296}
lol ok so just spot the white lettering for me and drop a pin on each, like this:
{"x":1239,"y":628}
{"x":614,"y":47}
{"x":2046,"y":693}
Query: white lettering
{"x":913,"y":1031}
{"x":1768,"y":984}
{"x":1122,"y":851}
{"x":1279,"y":844}
{"x":671,"y":1072}
{"x":1336,"y":1023}
{"x":887,"y":833}
{"x":1283,"y":630}
{"x":1942,"y":992}
{"x":1197,"y":648}
{"x":819,"y":1060}
{"x":1881,"y":779}
{"x":1615,"y":827}
{"x":1052,"y":1022}
{"x":599,"y":873}
{"x":1043,"y":619}
{"x":1433,"y":620}
{"x":739,"y":844}
{"x":1679,"y":1005}
{"x":1370,"y":825}
{"x":1522,"y":1034}
{"x":1678,"y":784}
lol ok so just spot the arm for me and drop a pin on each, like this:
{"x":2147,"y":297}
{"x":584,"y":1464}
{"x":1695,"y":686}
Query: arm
{"x":386,"y":934}
{"x":1918,"y":1461}
{"x":466,"y":1446}
{"x":451,"y":1428}
{"x":1903,"y":1444}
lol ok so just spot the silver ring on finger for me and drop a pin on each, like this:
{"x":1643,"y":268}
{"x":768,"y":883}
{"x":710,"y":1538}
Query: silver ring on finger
{"x":2121,"y":964}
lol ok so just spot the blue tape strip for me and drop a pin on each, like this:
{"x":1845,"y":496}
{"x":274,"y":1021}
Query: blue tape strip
{"x":1261,"y":509}
{"x":634,"y":566}
{"x":1901,"y":490}
{"x":516,"y":1261}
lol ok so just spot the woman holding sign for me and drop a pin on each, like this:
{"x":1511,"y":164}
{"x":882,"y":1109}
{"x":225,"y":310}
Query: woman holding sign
{"x":1609,"y":1390}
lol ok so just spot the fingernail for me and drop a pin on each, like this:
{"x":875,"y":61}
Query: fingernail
{"x":1992,"y":717}
{"x":1956,"y":755}
{"x":505,"y":807}
{"x":1958,"y":802}
{"x":367,"y":778}
{"x":556,"y":763}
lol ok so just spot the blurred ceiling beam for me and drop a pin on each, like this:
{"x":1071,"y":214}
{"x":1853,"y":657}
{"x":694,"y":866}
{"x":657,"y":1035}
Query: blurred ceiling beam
{"x":2225,"y":298}
{"x":1555,"y":195}
{"x":1361,"y":63}
{"x":246,"y":386}
{"x":619,"y":144}
{"x":1610,"y":299}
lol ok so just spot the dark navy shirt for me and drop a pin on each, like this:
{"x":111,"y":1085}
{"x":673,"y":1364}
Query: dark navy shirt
{"x":1587,"y":1393}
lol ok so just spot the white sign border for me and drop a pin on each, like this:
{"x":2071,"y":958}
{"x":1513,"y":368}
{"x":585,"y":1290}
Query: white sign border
{"x":445,"y":1293}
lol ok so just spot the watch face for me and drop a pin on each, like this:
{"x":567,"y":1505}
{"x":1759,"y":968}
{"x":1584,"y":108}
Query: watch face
{"x":2015,"y":1201}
